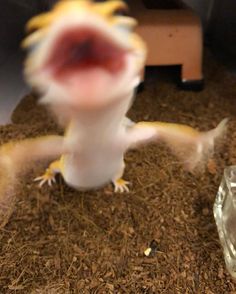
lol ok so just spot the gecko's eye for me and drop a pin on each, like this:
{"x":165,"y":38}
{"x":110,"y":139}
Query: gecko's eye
{"x":121,"y":12}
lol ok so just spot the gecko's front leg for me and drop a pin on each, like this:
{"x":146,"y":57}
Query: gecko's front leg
{"x":50,"y":173}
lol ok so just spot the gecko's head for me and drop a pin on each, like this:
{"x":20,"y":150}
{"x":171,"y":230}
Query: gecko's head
{"x":84,"y":53}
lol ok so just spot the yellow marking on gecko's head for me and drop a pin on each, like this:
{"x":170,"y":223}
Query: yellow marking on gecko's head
{"x":105,"y":9}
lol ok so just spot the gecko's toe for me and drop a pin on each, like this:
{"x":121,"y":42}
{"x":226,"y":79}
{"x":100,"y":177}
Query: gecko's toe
{"x":46,"y":178}
{"x":121,"y":186}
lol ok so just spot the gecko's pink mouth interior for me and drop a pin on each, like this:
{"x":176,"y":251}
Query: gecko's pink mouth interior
{"x":78,"y":50}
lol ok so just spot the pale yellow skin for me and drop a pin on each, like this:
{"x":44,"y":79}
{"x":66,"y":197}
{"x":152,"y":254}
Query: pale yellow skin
{"x":95,"y":141}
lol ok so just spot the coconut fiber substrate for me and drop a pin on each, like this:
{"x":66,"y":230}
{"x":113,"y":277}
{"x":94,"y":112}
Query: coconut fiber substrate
{"x":59,"y":240}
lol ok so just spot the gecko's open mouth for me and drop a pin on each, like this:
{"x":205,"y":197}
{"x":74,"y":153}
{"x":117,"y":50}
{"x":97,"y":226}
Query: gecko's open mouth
{"x":78,"y":50}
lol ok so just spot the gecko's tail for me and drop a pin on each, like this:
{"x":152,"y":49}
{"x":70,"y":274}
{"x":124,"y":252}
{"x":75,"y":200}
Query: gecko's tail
{"x":204,"y":145}
{"x":16,"y":158}
{"x":190,"y":146}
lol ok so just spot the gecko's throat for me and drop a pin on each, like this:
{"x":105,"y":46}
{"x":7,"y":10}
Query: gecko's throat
{"x":84,"y":49}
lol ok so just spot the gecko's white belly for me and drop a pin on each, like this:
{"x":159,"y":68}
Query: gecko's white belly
{"x":85,"y":171}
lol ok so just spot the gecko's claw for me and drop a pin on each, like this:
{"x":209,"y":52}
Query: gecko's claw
{"x":48,"y":177}
{"x":121,"y":186}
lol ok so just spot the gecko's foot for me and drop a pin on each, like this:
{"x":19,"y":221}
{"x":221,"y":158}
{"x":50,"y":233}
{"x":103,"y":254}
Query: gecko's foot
{"x":48,"y":177}
{"x":121,"y":186}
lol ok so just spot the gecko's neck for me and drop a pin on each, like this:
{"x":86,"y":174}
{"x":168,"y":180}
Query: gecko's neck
{"x":105,"y":121}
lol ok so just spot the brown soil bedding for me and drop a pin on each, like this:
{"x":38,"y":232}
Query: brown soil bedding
{"x":63,"y":241}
